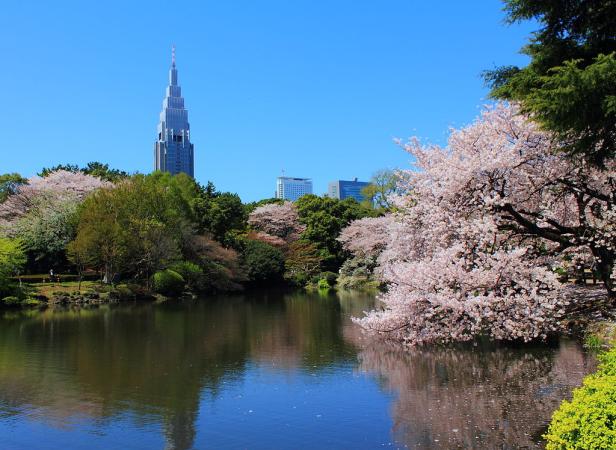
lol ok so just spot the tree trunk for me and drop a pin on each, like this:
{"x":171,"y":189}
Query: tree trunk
{"x":605,"y":265}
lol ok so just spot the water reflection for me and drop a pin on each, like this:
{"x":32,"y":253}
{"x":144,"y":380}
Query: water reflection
{"x":84,"y":371}
{"x":476,"y":397}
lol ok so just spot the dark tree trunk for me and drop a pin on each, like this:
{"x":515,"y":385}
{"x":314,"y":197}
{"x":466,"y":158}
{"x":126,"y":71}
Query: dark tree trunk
{"x":605,"y":265}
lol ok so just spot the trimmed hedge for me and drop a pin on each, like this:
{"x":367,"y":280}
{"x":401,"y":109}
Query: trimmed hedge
{"x":168,"y":282}
{"x":588,"y":421}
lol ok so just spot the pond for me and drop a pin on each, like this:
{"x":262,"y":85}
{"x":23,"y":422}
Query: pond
{"x":264,"y":371}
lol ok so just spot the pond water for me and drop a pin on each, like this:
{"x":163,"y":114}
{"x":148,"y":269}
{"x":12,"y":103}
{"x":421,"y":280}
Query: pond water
{"x":264,"y":371}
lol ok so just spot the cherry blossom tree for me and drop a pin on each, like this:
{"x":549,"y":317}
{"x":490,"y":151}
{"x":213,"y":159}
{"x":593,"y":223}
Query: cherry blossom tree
{"x":57,"y":187}
{"x":367,"y":236}
{"x":281,"y":221}
{"x":491,"y":215}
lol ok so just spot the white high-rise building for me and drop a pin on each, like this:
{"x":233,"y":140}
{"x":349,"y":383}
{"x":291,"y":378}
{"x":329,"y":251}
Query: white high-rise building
{"x":289,"y":188}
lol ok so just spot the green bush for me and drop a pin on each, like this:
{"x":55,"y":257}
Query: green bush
{"x":168,"y":282}
{"x":190,"y":271}
{"x":122,"y":292}
{"x":323,"y":284}
{"x":330,"y":277}
{"x":588,"y":421}
{"x":608,"y":363}
{"x":11,"y":301}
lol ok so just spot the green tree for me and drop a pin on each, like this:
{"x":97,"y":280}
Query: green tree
{"x":102,"y":171}
{"x":137,"y":227}
{"x":78,"y":253}
{"x":45,"y":171}
{"x":9,"y":182}
{"x":382,"y":184}
{"x":46,"y":229}
{"x":263,"y":262}
{"x":569,"y":87}
{"x":100,"y":239}
{"x":325,"y":218}
{"x":302,"y":262}
{"x":94,"y":168}
{"x":12,"y":260}
{"x":220,"y":213}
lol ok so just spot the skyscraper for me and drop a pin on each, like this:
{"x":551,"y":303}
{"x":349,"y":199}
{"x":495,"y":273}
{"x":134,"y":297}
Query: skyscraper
{"x":342,"y":189}
{"x":173,"y":151}
{"x":289,"y":188}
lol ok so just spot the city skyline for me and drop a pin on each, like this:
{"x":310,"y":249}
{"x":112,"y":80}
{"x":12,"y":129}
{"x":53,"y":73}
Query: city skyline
{"x":320,"y":90}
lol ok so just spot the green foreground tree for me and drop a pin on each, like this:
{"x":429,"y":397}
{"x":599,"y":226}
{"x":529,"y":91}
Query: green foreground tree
{"x":12,"y":260}
{"x":569,"y":87}
{"x":134,"y":228}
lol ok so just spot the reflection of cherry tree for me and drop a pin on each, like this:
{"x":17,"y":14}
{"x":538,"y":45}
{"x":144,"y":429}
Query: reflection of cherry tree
{"x":474,"y":397}
{"x":472,"y":251}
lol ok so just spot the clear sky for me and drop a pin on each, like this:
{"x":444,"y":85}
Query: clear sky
{"x":319,"y":88}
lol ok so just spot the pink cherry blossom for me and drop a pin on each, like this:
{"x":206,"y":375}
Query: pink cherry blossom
{"x":473,"y":250}
{"x":279,"y":221}
{"x":60,"y":186}
{"x":367,"y":236}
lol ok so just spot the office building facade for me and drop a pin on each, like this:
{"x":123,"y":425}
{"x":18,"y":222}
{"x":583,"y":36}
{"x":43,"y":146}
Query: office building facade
{"x":342,"y":189}
{"x":289,"y":188}
{"x":173,"y":151}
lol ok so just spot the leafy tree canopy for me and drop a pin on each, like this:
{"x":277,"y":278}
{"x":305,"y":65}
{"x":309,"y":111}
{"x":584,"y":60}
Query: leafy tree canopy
{"x":383,"y":184}
{"x":95,"y":168}
{"x":220,"y":213}
{"x":263,"y":262}
{"x":325,"y":218}
{"x":136,"y":227}
{"x":12,"y":259}
{"x":569,"y":87}
{"x":9,"y":182}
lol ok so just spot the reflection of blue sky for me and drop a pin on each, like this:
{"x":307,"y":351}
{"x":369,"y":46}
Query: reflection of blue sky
{"x":333,"y":409}
{"x":263,"y":408}
{"x":81,"y":433}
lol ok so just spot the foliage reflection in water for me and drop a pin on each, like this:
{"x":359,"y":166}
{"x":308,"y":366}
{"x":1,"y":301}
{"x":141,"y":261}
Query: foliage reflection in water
{"x":265,"y":370}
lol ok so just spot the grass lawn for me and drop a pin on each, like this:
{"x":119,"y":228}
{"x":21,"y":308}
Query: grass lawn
{"x":68,"y":287}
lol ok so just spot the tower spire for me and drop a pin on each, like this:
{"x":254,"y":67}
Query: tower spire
{"x":174,"y":152}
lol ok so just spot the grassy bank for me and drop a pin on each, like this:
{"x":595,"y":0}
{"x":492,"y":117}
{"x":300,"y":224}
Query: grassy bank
{"x":66,"y":292}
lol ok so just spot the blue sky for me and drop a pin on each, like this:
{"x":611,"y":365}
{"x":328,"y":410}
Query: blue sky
{"x":319,"y":88}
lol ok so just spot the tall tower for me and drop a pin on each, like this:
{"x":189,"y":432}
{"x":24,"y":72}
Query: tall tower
{"x":173,"y":151}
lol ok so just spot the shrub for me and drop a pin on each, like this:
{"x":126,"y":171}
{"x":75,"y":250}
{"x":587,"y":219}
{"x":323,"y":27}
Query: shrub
{"x":588,"y":421}
{"x":323,"y":284}
{"x":190,"y":271}
{"x":221,"y":267}
{"x":122,"y":292}
{"x":330,"y":277}
{"x":168,"y":282}
{"x":11,"y":301}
